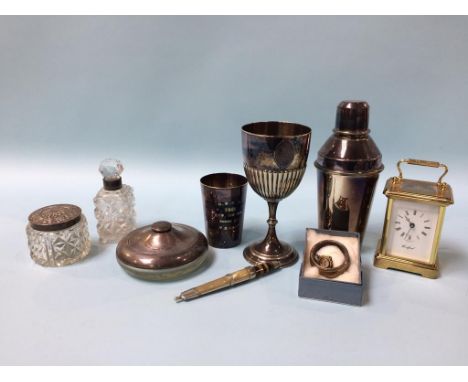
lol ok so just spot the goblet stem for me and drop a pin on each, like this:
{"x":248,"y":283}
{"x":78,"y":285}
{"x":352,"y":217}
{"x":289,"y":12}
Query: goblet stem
{"x":270,"y":249}
{"x":272,"y":207}
{"x":271,"y":244}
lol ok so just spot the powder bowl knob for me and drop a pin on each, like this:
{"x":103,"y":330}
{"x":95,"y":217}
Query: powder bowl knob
{"x":161,"y":226}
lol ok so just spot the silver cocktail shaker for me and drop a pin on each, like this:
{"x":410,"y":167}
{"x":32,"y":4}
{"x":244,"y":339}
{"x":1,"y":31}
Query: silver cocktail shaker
{"x":348,"y":167}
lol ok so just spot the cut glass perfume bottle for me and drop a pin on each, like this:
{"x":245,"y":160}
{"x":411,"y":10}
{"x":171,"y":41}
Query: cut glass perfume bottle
{"x":114,"y":204}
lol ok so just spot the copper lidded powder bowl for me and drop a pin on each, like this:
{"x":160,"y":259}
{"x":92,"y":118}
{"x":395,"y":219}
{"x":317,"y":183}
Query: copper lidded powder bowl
{"x":162,"y":251}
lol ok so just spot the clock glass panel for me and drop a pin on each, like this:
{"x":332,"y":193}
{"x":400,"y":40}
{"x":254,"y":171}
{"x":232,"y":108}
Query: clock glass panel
{"x":412,"y":229}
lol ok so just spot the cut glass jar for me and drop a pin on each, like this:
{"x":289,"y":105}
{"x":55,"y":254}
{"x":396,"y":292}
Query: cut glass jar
{"x":58,"y":235}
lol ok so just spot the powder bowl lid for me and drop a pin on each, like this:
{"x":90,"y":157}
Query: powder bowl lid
{"x":55,"y":217}
{"x":161,"y":245}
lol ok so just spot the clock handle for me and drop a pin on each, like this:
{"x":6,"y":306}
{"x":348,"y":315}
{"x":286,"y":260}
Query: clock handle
{"x":421,"y":162}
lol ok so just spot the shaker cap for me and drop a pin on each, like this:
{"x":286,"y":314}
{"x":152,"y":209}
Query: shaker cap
{"x":352,"y":117}
{"x":350,"y":150}
{"x":161,"y":245}
{"x":55,"y":217}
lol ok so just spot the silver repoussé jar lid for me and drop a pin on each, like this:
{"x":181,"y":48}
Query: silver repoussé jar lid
{"x":55,"y":217}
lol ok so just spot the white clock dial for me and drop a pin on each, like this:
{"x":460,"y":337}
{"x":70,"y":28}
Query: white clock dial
{"x":412,"y":230}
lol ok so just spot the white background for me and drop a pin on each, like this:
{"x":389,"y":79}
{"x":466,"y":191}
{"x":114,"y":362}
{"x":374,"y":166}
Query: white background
{"x":168,"y":97}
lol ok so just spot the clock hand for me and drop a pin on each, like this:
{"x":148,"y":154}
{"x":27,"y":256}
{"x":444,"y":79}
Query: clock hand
{"x":407,"y":233}
{"x":411,"y":224}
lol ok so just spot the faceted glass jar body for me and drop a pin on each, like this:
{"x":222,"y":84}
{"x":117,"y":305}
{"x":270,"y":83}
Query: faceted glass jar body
{"x":115,"y":213}
{"x":61,"y":247}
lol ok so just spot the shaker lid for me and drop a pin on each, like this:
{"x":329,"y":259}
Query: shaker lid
{"x":161,"y":245}
{"x":352,"y":117}
{"x":55,"y":217}
{"x":350,"y":150}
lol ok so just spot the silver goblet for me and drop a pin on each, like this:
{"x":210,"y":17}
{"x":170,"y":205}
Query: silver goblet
{"x":275,"y":157}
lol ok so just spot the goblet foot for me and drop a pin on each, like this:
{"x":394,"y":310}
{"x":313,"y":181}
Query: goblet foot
{"x":283,"y":255}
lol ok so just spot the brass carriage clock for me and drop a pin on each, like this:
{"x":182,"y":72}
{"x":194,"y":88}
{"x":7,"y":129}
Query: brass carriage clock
{"x":413,"y":222}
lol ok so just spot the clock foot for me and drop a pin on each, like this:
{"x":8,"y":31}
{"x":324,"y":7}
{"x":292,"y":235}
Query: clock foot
{"x":389,"y":262}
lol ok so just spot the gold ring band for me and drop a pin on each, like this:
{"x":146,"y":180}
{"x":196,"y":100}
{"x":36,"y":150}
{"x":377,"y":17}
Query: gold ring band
{"x":325,"y":263}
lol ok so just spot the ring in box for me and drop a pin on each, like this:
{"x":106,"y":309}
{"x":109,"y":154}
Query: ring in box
{"x":346,"y":288}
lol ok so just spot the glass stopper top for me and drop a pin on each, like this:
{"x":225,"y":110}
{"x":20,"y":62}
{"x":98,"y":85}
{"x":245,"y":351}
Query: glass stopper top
{"x":111,"y":168}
